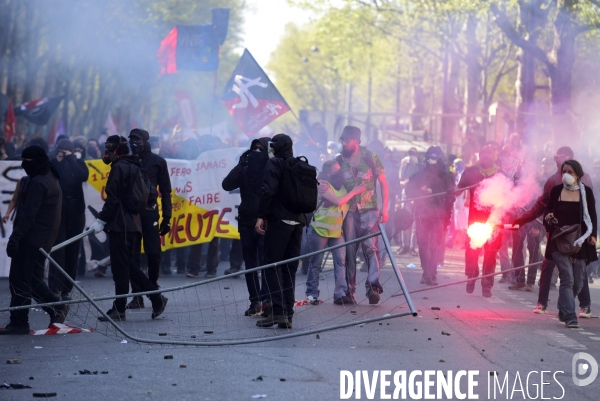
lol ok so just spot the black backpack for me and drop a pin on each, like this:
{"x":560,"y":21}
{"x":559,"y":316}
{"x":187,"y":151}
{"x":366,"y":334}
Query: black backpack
{"x":298,"y":191}
{"x":138,"y":191}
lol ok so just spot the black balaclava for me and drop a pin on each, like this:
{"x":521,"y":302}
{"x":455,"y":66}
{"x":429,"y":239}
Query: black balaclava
{"x":115,"y":146}
{"x":39,"y":163}
{"x":138,"y":138}
{"x":282,"y":146}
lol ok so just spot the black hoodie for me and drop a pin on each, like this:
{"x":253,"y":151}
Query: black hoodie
{"x":270,"y":207}
{"x":248,"y":176}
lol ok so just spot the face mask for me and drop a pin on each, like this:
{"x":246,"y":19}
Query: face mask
{"x":568,"y":179}
{"x":271,"y":150}
{"x":337,"y":179}
{"x":155,"y":150}
{"x":137,"y":145}
{"x":77,"y":155}
{"x":29,"y":166}
{"x":431,"y":161}
{"x":109,"y":157}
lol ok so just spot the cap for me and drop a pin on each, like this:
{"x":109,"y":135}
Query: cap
{"x":434,"y":152}
{"x":65,"y":144}
{"x":350,"y":132}
{"x":140,"y":133}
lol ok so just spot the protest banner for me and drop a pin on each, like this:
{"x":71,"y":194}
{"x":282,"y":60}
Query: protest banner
{"x":201,"y":208}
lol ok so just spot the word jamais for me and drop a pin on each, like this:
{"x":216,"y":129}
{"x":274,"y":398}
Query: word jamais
{"x":447,"y":385}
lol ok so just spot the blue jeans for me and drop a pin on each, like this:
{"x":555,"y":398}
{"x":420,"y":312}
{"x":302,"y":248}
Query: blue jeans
{"x":358,"y":225}
{"x":252,"y":250}
{"x":317,"y":243}
{"x":572,"y":274}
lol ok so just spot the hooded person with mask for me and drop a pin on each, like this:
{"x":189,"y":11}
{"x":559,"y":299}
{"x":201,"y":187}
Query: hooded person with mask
{"x":124,"y":229}
{"x":36,"y":226}
{"x":432,"y":214}
{"x":158,"y":175}
{"x":73,"y":173}
{"x":283,"y":234}
{"x":326,"y":231}
{"x":247,"y":175}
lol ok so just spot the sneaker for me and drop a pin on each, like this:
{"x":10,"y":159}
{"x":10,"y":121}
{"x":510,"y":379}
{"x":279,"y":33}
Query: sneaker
{"x":517,"y":286}
{"x":373,"y":296}
{"x":136,"y":303}
{"x":113,"y":314}
{"x":253,"y":310}
{"x":433,"y":282}
{"x":11,"y":329}
{"x":210,"y":275}
{"x":540,"y":309}
{"x":486,"y":292}
{"x":343,"y":301}
{"x":272,"y":320}
{"x":312,"y":300}
{"x":530,"y":288}
{"x":231,"y":271}
{"x":285,"y":325}
{"x":586,"y":313}
{"x":60,"y":314}
{"x":423,"y":280}
{"x":471,"y":287}
{"x":191,"y":275}
{"x":100,"y":274}
{"x":414,"y":252}
{"x":159,"y":308}
{"x":267,"y":308}
{"x":572,"y":325}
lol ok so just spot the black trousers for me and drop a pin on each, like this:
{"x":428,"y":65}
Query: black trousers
{"x":431,"y":241}
{"x":124,"y":249}
{"x":252,"y":244}
{"x":71,"y":224}
{"x":151,"y":238}
{"x":282,"y":241}
{"x":26,"y":281}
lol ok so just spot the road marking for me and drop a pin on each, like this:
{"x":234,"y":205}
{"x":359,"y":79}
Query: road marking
{"x":561,"y":339}
{"x":595,"y":338}
{"x":587,"y":333}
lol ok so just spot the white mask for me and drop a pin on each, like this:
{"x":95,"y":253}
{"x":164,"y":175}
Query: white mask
{"x":155,"y":150}
{"x":568,"y":179}
{"x":78,"y":155}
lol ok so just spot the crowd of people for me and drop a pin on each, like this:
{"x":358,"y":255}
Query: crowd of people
{"x":425,"y":203}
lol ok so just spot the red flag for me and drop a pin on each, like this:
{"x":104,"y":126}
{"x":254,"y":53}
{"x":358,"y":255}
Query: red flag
{"x":10,"y":122}
{"x":167,"y":53}
{"x":251,"y":97}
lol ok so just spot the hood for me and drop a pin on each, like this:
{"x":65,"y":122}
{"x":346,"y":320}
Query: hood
{"x":264,"y":141}
{"x":282,"y":146}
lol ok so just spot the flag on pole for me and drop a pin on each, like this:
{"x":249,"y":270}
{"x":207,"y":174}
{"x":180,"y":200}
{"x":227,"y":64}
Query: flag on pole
{"x":251,"y":97}
{"x":110,"y":125}
{"x":39,"y":111}
{"x":10,"y":122}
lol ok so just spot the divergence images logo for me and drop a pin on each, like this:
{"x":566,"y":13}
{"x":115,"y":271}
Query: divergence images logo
{"x":583,"y":364}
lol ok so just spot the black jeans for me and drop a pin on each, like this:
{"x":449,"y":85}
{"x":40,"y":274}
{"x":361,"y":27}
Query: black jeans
{"x":431,"y":242}
{"x":123,"y":252}
{"x":212,"y":259}
{"x":71,"y":224}
{"x":253,"y":250}
{"x":282,"y":241}
{"x":26,"y":281}
{"x":151,"y":237}
{"x":490,"y":251}
{"x":584,"y":297}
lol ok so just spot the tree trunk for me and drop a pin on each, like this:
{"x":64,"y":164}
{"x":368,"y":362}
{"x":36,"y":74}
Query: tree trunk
{"x":472,"y":93}
{"x":450,"y":103}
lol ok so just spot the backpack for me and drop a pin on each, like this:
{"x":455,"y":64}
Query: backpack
{"x":298,"y":190}
{"x":138,"y":190}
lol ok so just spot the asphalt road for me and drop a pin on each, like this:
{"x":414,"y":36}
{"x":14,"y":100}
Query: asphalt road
{"x":498,"y":334}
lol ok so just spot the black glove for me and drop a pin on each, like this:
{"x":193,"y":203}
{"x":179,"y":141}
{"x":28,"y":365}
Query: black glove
{"x":243,"y":160}
{"x":12,"y":248}
{"x":165,"y":227}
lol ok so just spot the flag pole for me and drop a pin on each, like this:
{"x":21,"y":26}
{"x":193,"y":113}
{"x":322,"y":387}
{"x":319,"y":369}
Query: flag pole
{"x":214,"y":95}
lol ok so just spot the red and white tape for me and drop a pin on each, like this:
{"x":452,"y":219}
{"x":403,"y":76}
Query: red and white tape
{"x":58,"y":328}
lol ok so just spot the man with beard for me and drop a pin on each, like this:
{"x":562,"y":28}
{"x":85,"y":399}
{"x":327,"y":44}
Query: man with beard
{"x":158,"y":175}
{"x":432,"y":215}
{"x":360,"y":165}
{"x":248,"y":176}
{"x":36,"y":226}
{"x":485,"y":168}
{"x":124,"y":229}
{"x":283,"y":234}
{"x":562,"y":154}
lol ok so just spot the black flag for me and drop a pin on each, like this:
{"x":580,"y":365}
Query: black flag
{"x":39,"y":111}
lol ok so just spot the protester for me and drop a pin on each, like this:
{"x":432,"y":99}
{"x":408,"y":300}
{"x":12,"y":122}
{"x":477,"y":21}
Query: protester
{"x":73,"y":172}
{"x":562,"y":154}
{"x":93,"y":150}
{"x":283,"y":233}
{"x":123,"y":227}
{"x":360,"y":165}
{"x":409,"y":166}
{"x":247,"y":175}
{"x":484,"y":169}
{"x":326,"y":231}
{"x":3,"y":153}
{"x":569,"y":204}
{"x":36,"y":226}
{"x":158,"y":176}
{"x":432,"y":214}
